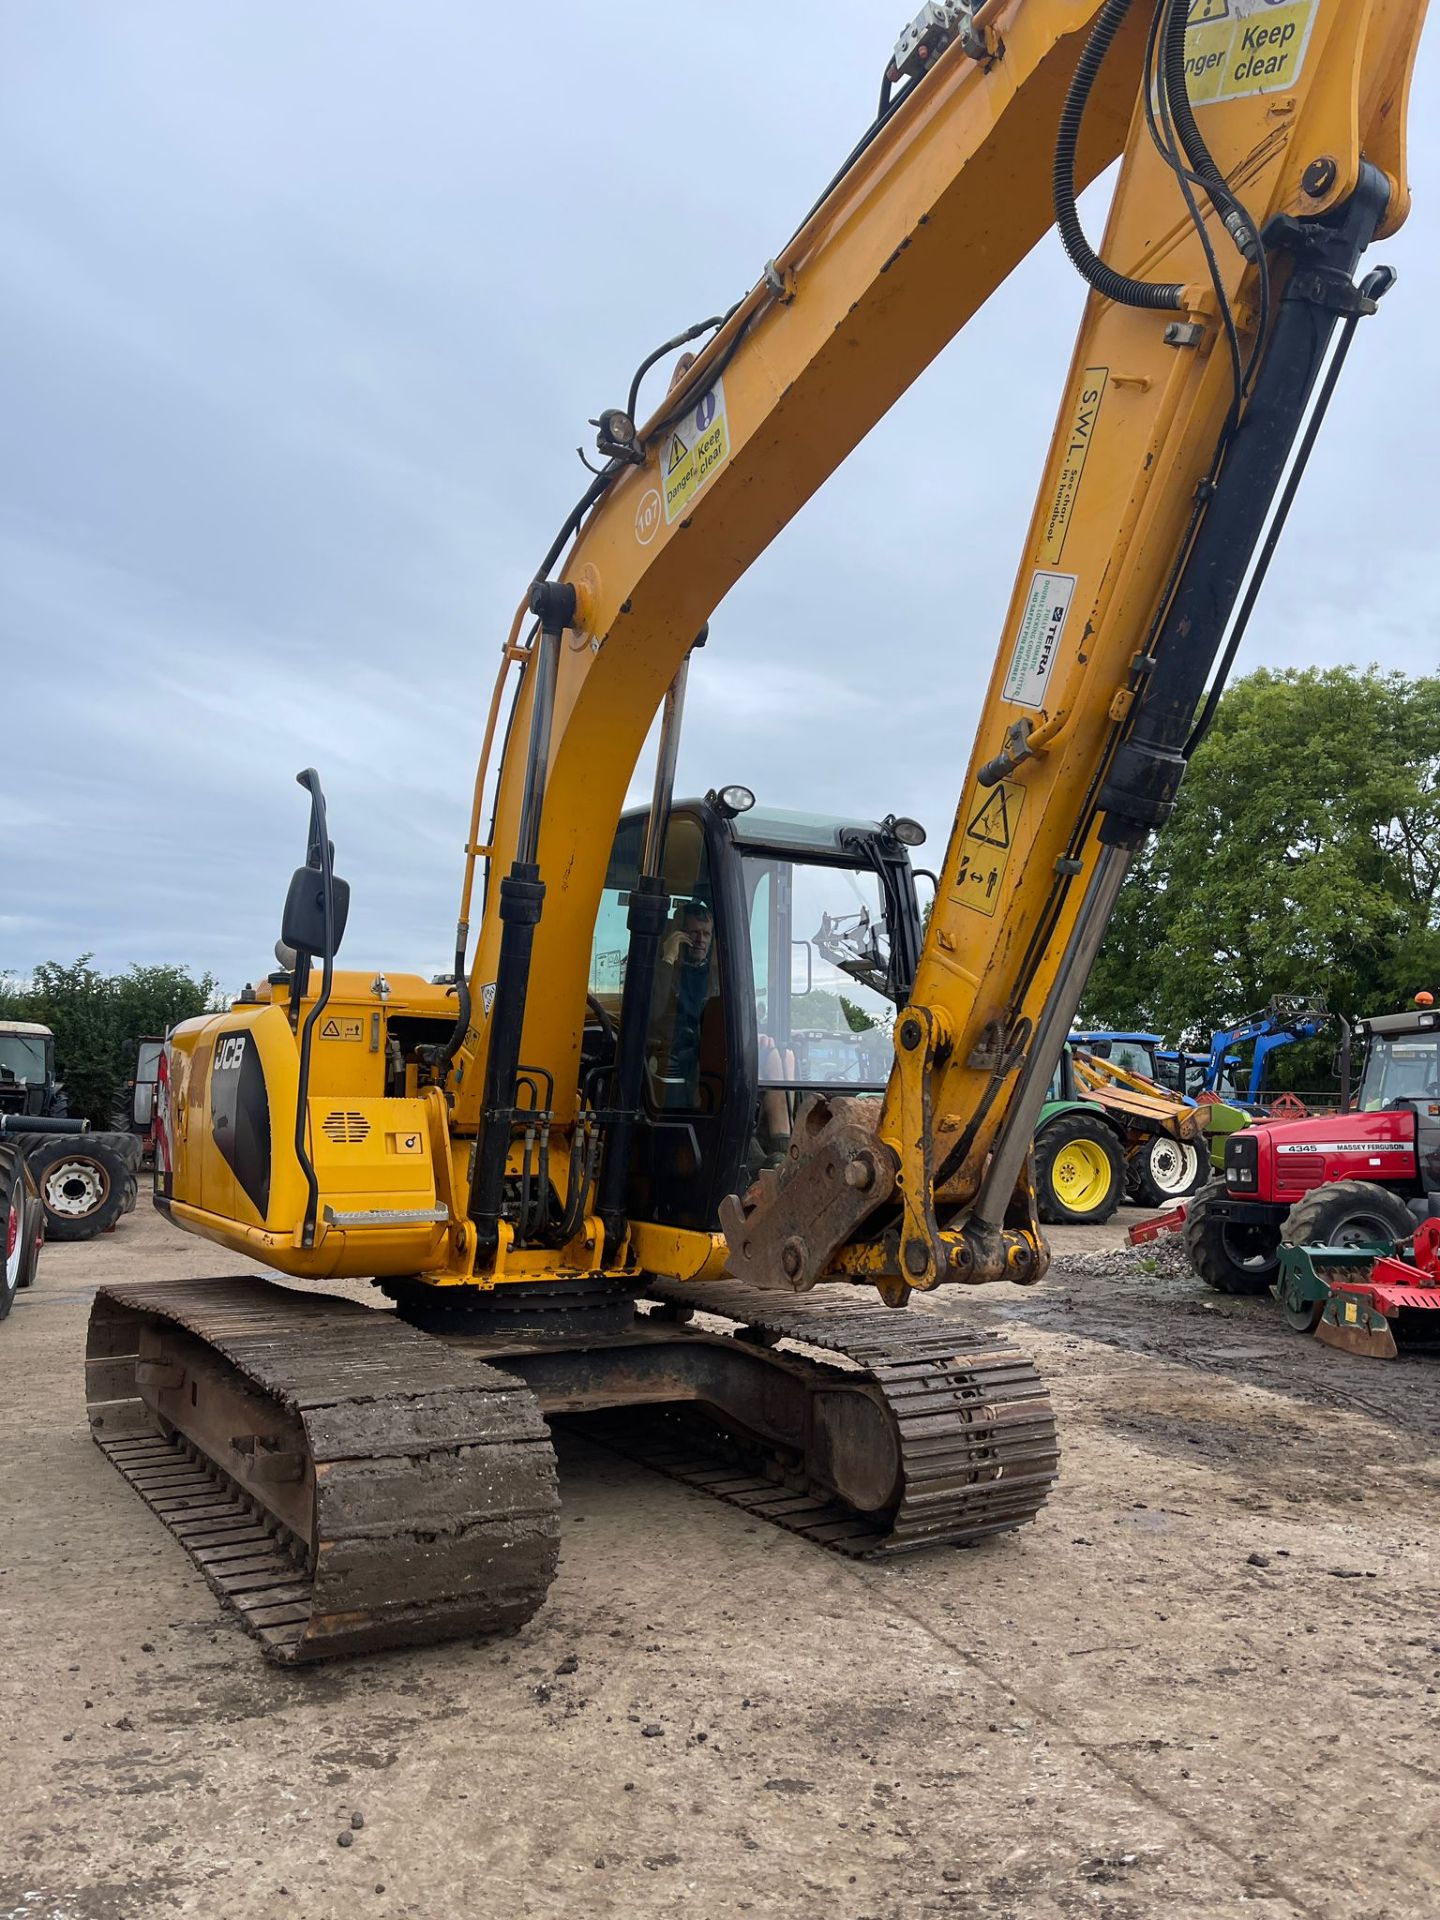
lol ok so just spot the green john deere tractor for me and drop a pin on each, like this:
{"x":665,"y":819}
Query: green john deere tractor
{"x":1079,"y":1156}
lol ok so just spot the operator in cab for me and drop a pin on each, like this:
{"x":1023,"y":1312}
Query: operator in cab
{"x":685,"y":984}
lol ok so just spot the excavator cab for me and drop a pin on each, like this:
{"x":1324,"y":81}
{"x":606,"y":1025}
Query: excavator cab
{"x":791,"y":939}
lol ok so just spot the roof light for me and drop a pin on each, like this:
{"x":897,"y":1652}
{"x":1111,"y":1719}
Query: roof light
{"x":733,"y":800}
{"x":908,"y":832}
{"x":1424,"y":999}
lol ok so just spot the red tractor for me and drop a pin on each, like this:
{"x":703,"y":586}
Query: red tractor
{"x":1361,"y":1178}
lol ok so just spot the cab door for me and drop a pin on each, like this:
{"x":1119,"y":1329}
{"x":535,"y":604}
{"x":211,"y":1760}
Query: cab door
{"x":699,"y":1090}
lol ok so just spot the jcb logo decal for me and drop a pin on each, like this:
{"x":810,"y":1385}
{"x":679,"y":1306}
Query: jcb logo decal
{"x":229,"y":1052}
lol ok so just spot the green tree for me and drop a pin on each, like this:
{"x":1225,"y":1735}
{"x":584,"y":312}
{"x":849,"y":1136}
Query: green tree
{"x":856,"y":1018}
{"x":97,"y":1018}
{"x":1304,"y":856}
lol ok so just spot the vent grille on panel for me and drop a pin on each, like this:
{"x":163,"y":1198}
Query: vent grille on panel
{"x":345,"y":1129}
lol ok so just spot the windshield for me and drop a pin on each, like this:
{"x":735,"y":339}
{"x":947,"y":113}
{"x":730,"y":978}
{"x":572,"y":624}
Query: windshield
{"x":820,"y":950}
{"x":1401,"y":1067}
{"x":1133,"y":1057}
{"x":23,"y":1055}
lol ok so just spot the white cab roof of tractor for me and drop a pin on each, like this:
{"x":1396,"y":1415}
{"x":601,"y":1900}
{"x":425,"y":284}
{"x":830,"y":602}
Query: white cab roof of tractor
{"x":25,"y":1026}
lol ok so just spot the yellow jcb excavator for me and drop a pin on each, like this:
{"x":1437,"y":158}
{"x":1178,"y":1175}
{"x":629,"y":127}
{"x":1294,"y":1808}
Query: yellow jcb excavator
{"x":629,"y":1102}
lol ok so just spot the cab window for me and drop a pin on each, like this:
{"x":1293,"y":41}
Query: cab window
{"x":1407,"y":1068}
{"x":820,"y":953}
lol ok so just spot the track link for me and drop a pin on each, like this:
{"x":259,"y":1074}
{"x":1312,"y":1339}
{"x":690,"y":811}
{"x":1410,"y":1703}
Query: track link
{"x":417,"y":1499}
{"x":976,"y":1432}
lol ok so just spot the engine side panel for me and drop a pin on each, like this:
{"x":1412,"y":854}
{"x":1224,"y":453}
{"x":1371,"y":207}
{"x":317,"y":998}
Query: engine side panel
{"x":234,"y":1082}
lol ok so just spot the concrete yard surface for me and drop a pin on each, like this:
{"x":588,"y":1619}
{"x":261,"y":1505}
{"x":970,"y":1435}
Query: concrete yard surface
{"x":1203,"y":1684}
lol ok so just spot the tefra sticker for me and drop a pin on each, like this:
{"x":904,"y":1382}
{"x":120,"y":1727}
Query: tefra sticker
{"x":1042,"y":627}
{"x":1236,"y":48}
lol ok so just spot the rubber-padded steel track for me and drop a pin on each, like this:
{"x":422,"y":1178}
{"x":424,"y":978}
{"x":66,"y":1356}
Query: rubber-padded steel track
{"x":978,"y":1449}
{"x":435,"y":1506}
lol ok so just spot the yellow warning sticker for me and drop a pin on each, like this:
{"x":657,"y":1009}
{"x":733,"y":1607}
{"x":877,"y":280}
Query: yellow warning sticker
{"x":342,"y":1029}
{"x":1234,"y":48}
{"x":1093,"y":382}
{"x":698,"y":447}
{"x":993,"y":815}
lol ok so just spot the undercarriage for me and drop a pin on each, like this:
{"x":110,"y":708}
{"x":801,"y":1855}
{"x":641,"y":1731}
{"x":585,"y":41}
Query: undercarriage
{"x":347,"y":1482}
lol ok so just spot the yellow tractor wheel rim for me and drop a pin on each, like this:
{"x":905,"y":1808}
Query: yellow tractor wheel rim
{"x":1081,"y":1176}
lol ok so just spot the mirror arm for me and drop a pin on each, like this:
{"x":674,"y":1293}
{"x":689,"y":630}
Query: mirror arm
{"x":319,"y":855}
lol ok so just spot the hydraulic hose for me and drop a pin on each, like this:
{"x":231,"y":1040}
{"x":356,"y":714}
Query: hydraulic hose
{"x":1182,"y":114}
{"x":1119,"y":287}
{"x":1177,"y":93}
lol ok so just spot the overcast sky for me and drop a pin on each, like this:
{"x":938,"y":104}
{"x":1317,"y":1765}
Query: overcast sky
{"x":303,"y":309}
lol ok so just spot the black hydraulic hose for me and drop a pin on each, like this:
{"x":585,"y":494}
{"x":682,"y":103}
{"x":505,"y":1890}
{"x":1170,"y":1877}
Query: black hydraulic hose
{"x":1177,"y":94}
{"x":681,"y":340}
{"x":456,"y":1036}
{"x":1119,"y":287}
{"x":1374,"y":288}
{"x":577,"y":513}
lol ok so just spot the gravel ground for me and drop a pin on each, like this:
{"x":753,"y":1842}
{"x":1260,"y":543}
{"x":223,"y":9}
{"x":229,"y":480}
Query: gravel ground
{"x":1202,"y":1684}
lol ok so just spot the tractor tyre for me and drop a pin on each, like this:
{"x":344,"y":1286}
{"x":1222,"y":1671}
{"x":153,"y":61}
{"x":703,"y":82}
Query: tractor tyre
{"x":1348,"y":1213}
{"x":82,"y":1186}
{"x":1079,"y":1172}
{"x":34,"y":1231}
{"x":128,"y":1148}
{"x":1227,"y":1256}
{"x":1166,"y":1169}
{"x":12,"y":1229}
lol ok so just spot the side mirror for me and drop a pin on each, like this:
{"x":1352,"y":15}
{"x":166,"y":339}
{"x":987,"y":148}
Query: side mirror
{"x":302,"y":925}
{"x":305,"y":925}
